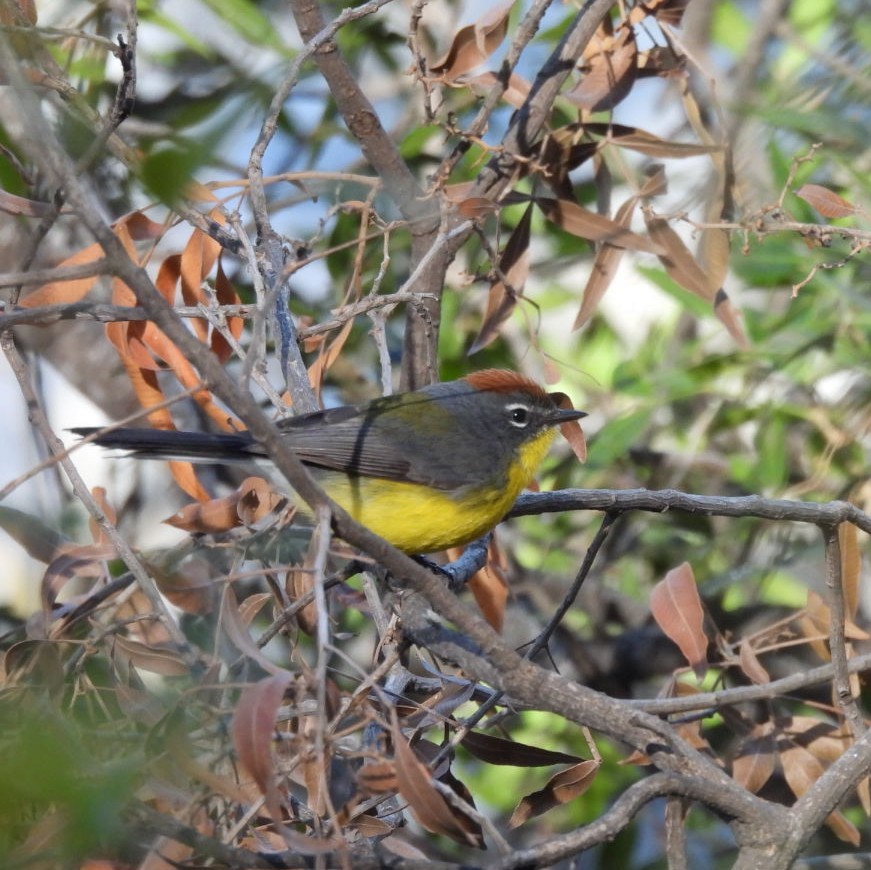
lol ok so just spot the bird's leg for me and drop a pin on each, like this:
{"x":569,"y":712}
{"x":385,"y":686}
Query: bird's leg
{"x":461,"y":570}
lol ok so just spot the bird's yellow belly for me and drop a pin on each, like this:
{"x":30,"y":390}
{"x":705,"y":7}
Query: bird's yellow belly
{"x":419,"y":519}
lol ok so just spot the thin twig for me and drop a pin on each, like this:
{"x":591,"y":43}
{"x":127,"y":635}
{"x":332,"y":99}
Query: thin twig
{"x":837,"y":638}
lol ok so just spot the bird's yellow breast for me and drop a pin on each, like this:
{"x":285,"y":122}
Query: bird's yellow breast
{"x":419,"y":519}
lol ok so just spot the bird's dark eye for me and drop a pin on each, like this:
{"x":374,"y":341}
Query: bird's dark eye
{"x":518,"y":415}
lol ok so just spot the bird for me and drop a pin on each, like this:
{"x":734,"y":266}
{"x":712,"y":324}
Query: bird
{"x":427,"y":469}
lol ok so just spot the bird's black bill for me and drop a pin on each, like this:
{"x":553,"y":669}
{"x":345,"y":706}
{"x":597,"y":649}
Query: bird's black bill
{"x":565,"y":415}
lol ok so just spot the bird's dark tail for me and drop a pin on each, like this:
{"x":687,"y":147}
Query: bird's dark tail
{"x":171,"y":444}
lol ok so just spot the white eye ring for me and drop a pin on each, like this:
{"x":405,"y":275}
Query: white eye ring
{"x":518,"y":415}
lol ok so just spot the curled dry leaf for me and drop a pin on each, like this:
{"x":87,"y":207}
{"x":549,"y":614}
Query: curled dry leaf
{"x":473,"y":44}
{"x":561,"y":788}
{"x":677,"y":609}
{"x":86,"y":560}
{"x":257,"y":500}
{"x":207,"y":517}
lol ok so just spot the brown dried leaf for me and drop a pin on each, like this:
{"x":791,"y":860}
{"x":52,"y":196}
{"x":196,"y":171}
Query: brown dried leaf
{"x":254,"y":725}
{"x":300,"y":581}
{"x":190,"y":586}
{"x":515,"y":94}
{"x":489,"y":586}
{"x":473,"y":44}
{"x":801,"y":769}
{"x":822,"y":739}
{"x":843,"y":828}
{"x":164,"y":661}
{"x":728,"y":315}
{"x":40,"y":542}
{"x":571,"y":431}
{"x":604,"y":268}
{"x":851,"y":566}
{"x":809,"y":630}
{"x":819,"y":614}
{"x":825,"y":201}
{"x":582,"y":222}
{"x":497,"y":750}
{"x":677,"y":259}
{"x":755,"y":761}
{"x":563,"y":787}
{"x":252,"y":729}
{"x":714,"y":250}
{"x":430,"y":809}
{"x":86,"y":560}
{"x":677,"y":609}
{"x":237,"y":633}
{"x":646,"y":143}
{"x":506,"y":290}
{"x":609,"y":71}
{"x":257,"y":500}
{"x":207,"y":517}
{"x":751,"y":665}
{"x":863,"y":790}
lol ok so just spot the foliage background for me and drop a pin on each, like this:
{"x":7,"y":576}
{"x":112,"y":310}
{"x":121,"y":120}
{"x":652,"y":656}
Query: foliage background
{"x":675,"y":400}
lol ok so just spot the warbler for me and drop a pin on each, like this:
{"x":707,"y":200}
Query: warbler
{"x":426,"y":470}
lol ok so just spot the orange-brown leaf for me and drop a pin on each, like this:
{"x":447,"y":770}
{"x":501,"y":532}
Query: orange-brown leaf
{"x":252,"y":729}
{"x":604,"y":268}
{"x":677,"y":259}
{"x":473,"y":44}
{"x":582,"y":222}
{"x":508,"y":288}
{"x":851,"y":566}
{"x":609,"y":73}
{"x":563,"y":787}
{"x":430,"y":809}
{"x":755,"y":761}
{"x":207,"y":517}
{"x":677,"y":609}
{"x":825,"y":201}
{"x":751,"y":665}
{"x":490,"y":587}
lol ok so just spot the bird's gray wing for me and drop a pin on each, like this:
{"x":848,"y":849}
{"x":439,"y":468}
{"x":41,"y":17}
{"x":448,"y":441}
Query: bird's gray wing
{"x":385,"y":439}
